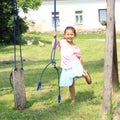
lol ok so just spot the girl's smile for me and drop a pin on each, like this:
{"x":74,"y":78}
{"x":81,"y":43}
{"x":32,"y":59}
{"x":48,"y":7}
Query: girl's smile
{"x":69,"y":36}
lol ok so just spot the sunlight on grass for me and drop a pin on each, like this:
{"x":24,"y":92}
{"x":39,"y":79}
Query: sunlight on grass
{"x":43,"y":104}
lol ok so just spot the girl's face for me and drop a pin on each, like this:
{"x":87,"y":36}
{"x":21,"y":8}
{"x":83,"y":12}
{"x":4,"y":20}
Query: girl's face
{"x":69,"y":35}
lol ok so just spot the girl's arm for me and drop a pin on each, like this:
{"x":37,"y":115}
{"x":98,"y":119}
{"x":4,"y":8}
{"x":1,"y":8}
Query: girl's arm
{"x":57,"y":44}
{"x":53,"y":42}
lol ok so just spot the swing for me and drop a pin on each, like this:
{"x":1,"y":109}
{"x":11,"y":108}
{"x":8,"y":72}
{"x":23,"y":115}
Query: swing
{"x":16,"y":30}
{"x":52,"y":61}
{"x":17,"y":74}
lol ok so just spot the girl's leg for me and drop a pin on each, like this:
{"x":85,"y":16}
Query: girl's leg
{"x":72,"y":92}
{"x":87,"y":77}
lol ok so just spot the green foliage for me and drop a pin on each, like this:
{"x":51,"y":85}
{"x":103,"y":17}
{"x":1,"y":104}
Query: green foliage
{"x":7,"y":18}
{"x":29,"y":4}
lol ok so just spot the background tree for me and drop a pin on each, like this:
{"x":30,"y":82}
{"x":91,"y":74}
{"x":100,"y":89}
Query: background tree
{"x":6,"y":18}
{"x":29,"y":4}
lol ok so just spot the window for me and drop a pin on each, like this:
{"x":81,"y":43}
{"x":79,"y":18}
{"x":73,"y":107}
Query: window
{"x":79,"y":17}
{"x":57,"y":19}
{"x":102,"y":14}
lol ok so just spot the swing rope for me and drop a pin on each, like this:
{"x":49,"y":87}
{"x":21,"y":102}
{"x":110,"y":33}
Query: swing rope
{"x":17,"y":36}
{"x":53,"y":62}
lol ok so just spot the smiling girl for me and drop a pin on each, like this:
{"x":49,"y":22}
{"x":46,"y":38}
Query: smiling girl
{"x":71,"y":62}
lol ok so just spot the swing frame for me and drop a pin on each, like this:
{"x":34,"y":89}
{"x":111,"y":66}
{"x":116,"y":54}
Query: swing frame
{"x":17,"y":74}
{"x":16,"y":34}
{"x":52,"y":59}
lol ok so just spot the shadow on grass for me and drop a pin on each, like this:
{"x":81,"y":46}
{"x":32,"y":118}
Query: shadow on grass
{"x":85,"y":96}
{"x":62,"y":110}
{"x":52,"y":94}
{"x":32,"y":74}
{"x":47,"y":109}
{"x":94,"y":66}
{"x":5,"y":49}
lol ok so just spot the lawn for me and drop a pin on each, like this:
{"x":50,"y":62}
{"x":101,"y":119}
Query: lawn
{"x":43,"y":104}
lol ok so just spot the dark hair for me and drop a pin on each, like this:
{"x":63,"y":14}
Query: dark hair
{"x":72,"y":28}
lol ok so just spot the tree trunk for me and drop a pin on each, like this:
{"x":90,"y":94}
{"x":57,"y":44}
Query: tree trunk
{"x":115,"y":78}
{"x":108,"y":63}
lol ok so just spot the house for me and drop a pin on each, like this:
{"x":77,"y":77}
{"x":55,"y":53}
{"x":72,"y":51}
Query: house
{"x":84,"y":15}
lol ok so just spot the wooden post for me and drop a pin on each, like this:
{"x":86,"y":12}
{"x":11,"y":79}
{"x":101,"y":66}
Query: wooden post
{"x":19,"y":89}
{"x":108,"y":63}
{"x":115,"y":81}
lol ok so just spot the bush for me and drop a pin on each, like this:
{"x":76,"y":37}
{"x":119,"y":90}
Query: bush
{"x":7,"y":23}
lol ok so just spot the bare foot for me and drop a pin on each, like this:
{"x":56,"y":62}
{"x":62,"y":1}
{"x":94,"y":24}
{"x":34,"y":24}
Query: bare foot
{"x":87,"y":77}
{"x":73,"y":101}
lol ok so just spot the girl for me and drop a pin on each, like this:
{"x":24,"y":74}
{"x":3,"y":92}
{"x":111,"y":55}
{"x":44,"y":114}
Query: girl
{"x":71,"y":61}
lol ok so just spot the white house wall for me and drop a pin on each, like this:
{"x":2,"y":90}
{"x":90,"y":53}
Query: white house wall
{"x":66,"y":8}
{"x":117,"y":14}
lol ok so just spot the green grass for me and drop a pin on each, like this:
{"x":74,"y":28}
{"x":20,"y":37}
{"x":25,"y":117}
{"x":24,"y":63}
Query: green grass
{"x":43,"y":104}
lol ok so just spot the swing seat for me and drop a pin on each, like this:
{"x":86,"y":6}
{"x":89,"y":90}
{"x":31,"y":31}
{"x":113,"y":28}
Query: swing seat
{"x":87,"y":77}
